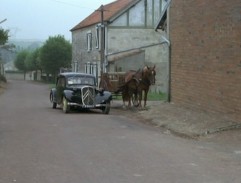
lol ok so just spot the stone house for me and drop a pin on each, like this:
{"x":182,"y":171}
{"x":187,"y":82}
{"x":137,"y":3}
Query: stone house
{"x":128,"y":41}
{"x":205,"y":59}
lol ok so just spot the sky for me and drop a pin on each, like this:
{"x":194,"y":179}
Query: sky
{"x":39,"y":19}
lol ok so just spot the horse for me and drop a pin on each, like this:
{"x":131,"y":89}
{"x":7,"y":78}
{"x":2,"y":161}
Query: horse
{"x":129,"y":91}
{"x":146,"y":79}
{"x":135,"y":83}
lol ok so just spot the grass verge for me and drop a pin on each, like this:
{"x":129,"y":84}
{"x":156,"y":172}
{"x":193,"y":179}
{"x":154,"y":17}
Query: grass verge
{"x":151,"y":96}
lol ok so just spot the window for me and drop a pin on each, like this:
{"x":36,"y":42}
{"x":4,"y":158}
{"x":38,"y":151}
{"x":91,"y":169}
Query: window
{"x":75,"y":65}
{"x":162,"y":22}
{"x":97,"y":36}
{"x":89,"y":41}
{"x":91,"y":68}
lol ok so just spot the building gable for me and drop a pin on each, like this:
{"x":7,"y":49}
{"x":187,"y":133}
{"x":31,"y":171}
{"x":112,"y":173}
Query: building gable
{"x":131,"y":13}
{"x":142,"y":14}
{"x":109,"y":11}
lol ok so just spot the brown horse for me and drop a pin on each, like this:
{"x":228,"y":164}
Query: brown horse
{"x":135,"y":83}
{"x":129,"y":91}
{"x":146,"y":79}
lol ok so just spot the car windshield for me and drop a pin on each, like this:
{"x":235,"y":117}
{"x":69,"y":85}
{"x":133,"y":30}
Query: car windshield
{"x":81,"y":80}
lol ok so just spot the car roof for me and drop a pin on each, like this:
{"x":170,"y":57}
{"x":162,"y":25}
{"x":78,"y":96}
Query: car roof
{"x":70,"y":74}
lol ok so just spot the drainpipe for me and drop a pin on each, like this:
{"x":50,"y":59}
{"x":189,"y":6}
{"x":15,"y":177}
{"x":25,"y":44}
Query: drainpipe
{"x":106,"y":48}
{"x":167,"y":41}
{"x":169,"y":79}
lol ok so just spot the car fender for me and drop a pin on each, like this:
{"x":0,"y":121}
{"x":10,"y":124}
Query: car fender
{"x":103,"y":97}
{"x":68,"y":94}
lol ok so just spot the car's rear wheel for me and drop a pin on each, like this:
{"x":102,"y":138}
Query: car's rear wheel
{"x":66,"y":107}
{"x":54,"y":104}
{"x":106,"y":109}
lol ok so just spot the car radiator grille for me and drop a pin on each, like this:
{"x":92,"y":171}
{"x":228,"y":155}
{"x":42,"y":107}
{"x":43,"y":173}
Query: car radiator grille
{"x":88,"y":95}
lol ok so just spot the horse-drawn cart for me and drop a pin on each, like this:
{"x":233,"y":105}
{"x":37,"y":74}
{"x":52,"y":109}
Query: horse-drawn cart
{"x":130,"y":84}
{"x":112,"y":81}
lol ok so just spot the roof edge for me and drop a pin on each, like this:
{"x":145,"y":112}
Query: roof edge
{"x":116,"y":14}
{"x":123,"y":10}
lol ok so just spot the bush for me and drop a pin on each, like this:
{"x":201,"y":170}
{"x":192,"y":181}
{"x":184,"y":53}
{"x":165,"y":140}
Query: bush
{"x":2,"y":78}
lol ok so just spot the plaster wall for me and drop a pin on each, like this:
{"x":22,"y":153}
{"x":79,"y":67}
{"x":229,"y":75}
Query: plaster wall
{"x":147,"y":40}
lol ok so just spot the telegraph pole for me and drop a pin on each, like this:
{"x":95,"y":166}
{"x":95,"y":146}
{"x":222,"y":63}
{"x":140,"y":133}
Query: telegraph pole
{"x":102,"y":49}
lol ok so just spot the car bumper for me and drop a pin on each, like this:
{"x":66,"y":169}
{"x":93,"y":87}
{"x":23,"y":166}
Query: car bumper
{"x":87,"y":106}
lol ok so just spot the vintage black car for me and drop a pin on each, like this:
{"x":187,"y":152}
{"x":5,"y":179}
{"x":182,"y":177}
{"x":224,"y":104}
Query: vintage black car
{"x":79,"y":90}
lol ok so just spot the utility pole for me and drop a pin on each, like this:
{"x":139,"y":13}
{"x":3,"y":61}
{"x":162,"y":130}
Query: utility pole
{"x":102,"y":49}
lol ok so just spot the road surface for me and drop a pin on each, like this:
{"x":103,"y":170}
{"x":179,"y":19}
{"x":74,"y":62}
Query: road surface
{"x":39,"y":144}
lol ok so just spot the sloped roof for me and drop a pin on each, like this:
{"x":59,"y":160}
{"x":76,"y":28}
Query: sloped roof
{"x":110,"y":10}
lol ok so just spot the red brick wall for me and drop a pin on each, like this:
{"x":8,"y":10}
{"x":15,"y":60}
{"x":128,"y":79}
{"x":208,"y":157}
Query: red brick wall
{"x":206,"y":55}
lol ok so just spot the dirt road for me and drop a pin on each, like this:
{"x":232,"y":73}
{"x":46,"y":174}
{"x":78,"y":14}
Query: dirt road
{"x":39,"y":144}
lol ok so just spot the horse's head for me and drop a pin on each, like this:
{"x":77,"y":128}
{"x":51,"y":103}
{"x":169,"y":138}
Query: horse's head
{"x":150,"y":74}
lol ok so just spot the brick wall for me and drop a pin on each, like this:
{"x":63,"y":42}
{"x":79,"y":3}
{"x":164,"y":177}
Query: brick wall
{"x":206,"y":55}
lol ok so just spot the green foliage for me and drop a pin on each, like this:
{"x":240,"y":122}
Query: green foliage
{"x":32,"y":61}
{"x":153,"y":96}
{"x":20,"y":60}
{"x":3,"y":36}
{"x":29,"y":61}
{"x":55,"y":53}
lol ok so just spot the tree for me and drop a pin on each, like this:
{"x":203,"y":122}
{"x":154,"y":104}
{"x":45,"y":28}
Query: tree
{"x":36,"y":60}
{"x":55,"y":53}
{"x":29,"y":61}
{"x":3,"y":39}
{"x":32,"y":61}
{"x":20,"y":61}
{"x":3,"y":36}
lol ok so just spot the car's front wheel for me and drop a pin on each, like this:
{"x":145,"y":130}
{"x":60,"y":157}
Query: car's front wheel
{"x":106,"y":108}
{"x":66,"y":107}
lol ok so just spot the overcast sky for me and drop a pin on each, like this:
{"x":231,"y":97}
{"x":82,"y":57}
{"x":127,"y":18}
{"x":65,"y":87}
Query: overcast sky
{"x":39,"y":19}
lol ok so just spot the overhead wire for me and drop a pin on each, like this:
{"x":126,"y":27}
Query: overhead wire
{"x":74,"y":5}
{"x":71,"y":4}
